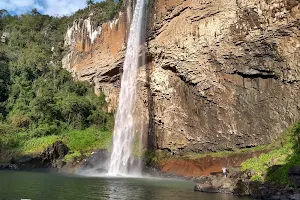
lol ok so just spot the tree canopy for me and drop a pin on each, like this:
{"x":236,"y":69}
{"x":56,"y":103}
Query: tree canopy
{"x":36,"y":94}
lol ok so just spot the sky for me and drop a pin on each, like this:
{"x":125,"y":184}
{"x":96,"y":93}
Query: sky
{"x":49,"y":7}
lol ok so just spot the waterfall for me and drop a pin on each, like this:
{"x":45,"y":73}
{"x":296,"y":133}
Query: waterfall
{"x":121,"y":161}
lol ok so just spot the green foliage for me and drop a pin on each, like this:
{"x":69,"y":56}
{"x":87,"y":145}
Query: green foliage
{"x":36,"y":144}
{"x":88,"y":139}
{"x":39,"y":101}
{"x":72,"y":155}
{"x":274,"y":166}
{"x":40,"y":95}
{"x":151,"y":158}
{"x":79,"y":141}
{"x":89,"y":2}
{"x":44,"y":130}
{"x":102,"y":11}
{"x":6,"y":128}
{"x":4,"y":82}
{"x":9,"y":142}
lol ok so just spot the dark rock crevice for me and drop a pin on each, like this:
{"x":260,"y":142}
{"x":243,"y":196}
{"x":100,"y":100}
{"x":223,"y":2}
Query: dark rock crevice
{"x":261,"y":74}
{"x":173,"y":69}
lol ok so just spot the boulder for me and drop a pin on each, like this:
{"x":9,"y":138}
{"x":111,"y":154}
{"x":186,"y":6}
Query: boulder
{"x":294,"y":175}
{"x":295,"y":170}
{"x":215,"y":184}
{"x":206,"y":188}
{"x":97,"y":160}
{"x":203,"y":180}
{"x":57,"y":150}
{"x":59,"y":164}
{"x":295,"y":196}
{"x":51,"y":157}
{"x":7,"y":166}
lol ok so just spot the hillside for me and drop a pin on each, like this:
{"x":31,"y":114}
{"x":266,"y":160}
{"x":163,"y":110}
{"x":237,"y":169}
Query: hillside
{"x":40,"y":102}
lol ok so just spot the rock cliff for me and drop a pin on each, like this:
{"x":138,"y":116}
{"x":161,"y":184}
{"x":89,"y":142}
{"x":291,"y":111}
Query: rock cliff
{"x":220,"y":74}
{"x":95,"y":54}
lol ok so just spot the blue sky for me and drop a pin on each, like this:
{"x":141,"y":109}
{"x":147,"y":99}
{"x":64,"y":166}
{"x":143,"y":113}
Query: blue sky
{"x":50,"y":7}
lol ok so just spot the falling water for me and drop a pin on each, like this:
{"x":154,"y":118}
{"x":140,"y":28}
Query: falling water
{"x":122,"y":158}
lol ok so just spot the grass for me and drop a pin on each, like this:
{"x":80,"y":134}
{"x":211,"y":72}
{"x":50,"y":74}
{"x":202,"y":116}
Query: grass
{"x":153,"y":157}
{"x":34,"y":145}
{"x":79,"y":142}
{"x":226,"y":153}
{"x":72,"y":155}
{"x":88,"y":139}
{"x":274,"y":166}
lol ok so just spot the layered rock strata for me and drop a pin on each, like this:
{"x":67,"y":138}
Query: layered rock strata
{"x":220,"y":74}
{"x":225,"y":74}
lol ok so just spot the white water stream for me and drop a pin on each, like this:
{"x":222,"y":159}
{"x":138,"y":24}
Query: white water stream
{"x":121,"y":162}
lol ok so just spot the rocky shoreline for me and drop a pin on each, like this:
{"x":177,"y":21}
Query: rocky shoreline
{"x":240,"y":184}
{"x":51,"y":159}
{"x":236,"y":182}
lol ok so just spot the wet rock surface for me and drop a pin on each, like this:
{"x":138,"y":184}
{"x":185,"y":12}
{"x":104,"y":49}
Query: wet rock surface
{"x":97,"y":162}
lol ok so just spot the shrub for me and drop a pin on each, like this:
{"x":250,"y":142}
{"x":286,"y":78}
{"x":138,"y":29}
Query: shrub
{"x":274,"y":166}
{"x":44,"y":130}
{"x":88,"y":139}
{"x":20,"y":121}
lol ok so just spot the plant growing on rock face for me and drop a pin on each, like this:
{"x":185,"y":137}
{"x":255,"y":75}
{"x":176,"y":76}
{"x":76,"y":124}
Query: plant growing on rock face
{"x":274,"y":166}
{"x":150,"y":158}
{"x":101,"y":12}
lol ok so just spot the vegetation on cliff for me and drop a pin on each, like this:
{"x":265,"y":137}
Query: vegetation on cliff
{"x":99,"y":12}
{"x":274,"y":166}
{"x":39,"y":101}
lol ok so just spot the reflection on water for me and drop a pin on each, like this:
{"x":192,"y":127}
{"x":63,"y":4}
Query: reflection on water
{"x":47,"y":186}
{"x":122,"y":190}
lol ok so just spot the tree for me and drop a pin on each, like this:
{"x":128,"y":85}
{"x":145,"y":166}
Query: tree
{"x":89,"y":3}
{"x":34,"y":11}
{"x":3,"y":13}
{"x":4,"y":82}
{"x":4,"y":77}
{"x":36,"y":94}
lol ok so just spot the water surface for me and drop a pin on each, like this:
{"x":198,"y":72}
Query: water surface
{"x":16,"y":185}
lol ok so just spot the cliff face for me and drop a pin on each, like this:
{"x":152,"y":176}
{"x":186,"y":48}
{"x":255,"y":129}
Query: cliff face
{"x":220,"y":74}
{"x":96,"y":54}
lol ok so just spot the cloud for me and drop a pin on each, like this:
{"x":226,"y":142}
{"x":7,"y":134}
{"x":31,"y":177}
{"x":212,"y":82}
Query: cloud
{"x":50,"y":7}
{"x":17,"y":6}
{"x":63,"y":7}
